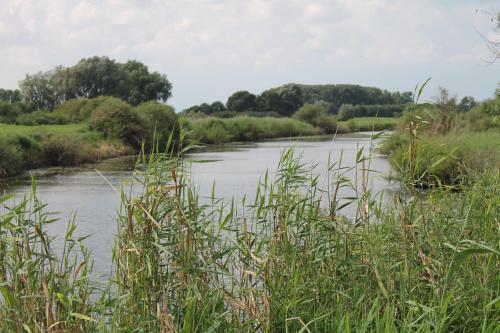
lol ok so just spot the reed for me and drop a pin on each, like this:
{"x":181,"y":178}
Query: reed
{"x":285,"y":260}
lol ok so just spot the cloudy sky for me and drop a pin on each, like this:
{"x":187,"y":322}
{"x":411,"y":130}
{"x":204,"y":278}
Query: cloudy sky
{"x":209,"y":49}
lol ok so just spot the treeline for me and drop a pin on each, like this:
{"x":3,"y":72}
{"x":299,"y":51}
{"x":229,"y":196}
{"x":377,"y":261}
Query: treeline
{"x":287,"y":99}
{"x":89,"y":78}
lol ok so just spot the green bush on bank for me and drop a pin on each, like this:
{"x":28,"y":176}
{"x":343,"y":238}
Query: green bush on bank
{"x":348,"y":111}
{"x":317,"y":115}
{"x":217,"y":131}
{"x":115,"y":118}
{"x":448,"y":146}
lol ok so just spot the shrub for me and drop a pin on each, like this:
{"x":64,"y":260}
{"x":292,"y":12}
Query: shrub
{"x":160,"y":117}
{"x":63,"y":150}
{"x":115,"y":118}
{"x":348,"y":111}
{"x":11,"y":160}
{"x":8,"y":112}
{"x":41,"y":117}
{"x":317,"y":115}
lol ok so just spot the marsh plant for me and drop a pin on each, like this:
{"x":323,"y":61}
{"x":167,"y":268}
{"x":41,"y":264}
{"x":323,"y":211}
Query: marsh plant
{"x":284,"y":260}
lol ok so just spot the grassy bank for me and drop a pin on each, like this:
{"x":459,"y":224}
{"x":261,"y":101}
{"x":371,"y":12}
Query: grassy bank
{"x":103,"y":136}
{"x":448,"y":158}
{"x":28,"y":147}
{"x":368,"y":124}
{"x":446,"y":146}
{"x":217,"y":131}
{"x":284,"y":263}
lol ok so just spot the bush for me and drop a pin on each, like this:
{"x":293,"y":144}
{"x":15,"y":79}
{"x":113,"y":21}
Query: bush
{"x":63,"y":150}
{"x":8,"y":112}
{"x":75,"y":110}
{"x":348,"y":111}
{"x":159,"y":117}
{"x":317,"y":115}
{"x":41,"y":117}
{"x":115,"y":118}
{"x":11,"y":159}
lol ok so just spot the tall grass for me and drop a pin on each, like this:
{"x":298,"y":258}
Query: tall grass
{"x":217,"y":131}
{"x":286,"y":260}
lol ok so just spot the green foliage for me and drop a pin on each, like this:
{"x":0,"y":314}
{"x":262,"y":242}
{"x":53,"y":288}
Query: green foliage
{"x":348,"y":111}
{"x":9,"y":112}
{"x":11,"y":160}
{"x":219,"y":131}
{"x":78,"y":110}
{"x":282,"y":262}
{"x":160,"y":122}
{"x":40,"y":117}
{"x":143,"y":86}
{"x":242,"y":101}
{"x":63,"y":150}
{"x":10,"y":96}
{"x":338,"y":94}
{"x":317,"y":115}
{"x":115,"y":118}
{"x":91,"y":78}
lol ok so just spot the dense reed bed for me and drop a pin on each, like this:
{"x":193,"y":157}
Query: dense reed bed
{"x":281,"y":261}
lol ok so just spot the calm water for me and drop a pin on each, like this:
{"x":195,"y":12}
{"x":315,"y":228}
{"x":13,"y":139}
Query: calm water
{"x":235,"y":169}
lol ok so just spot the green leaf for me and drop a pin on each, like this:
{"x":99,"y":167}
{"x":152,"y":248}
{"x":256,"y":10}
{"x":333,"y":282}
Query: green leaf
{"x":81,"y":316}
{"x":464,"y":255}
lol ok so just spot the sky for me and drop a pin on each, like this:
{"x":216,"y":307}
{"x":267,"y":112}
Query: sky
{"x":210,"y":49}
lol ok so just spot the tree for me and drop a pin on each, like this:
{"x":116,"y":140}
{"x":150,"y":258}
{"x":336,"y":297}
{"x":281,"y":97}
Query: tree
{"x":144,"y":86}
{"x":217,"y":107}
{"x":115,"y":118}
{"x":317,"y":115}
{"x":292,"y":98}
{"x":271,"y":101}
{"x":242,"y":101}
{"x":10,"y":96}
{"x":93,"y":77}
{"x":466,"y":104}
{"x":160,"y":119}
{"x":98,"y":76}
{"x":38,"y":91}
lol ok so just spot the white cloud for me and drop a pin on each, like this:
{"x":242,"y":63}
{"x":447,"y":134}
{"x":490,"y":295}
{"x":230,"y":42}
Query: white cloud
{"x":245,"y":40}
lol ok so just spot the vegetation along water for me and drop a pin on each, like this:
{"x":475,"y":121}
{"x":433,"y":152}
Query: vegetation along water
{"x":296,"y":255}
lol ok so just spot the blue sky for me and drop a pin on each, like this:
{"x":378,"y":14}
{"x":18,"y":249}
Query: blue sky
{"x":209,"y":49}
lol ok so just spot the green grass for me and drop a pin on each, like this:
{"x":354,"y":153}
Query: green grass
{"x":69,"y":129}
{"x":369,"y":124}
{"x":27,"y":147}
{"x":217,"y":131}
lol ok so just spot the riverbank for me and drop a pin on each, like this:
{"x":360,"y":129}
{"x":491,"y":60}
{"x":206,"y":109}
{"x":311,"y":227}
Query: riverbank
{"x":29,"y":147}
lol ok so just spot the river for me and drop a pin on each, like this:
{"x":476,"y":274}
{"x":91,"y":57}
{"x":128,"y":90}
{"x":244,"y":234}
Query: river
{"x":235,"y":169}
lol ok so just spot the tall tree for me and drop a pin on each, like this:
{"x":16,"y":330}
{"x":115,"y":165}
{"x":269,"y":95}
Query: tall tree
{"x":242,"y":101}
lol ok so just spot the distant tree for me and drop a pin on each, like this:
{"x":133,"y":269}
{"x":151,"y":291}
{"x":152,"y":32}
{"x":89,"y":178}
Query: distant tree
{"x":145,"y":86}
{"x":338,"y":94}
{"x":242,"y":101}
{"x":271,"y":101}
{"x":317,"y":115}
{"x":10,"y":96}
{"x":346,"y":111}
{"x":98,"y":76}
{"x":93,"y":77}
{"x":217,"y":107}
{"x":38,"y":91}
{"x":205,"y":108}
{"x":293,"y":99}
{"x":466,"y":104}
